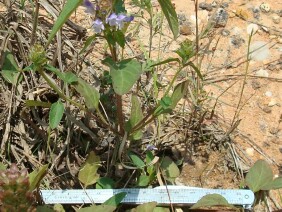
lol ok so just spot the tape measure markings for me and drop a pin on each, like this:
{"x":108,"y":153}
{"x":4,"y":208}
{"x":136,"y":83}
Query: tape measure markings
{"x":187,"y":196}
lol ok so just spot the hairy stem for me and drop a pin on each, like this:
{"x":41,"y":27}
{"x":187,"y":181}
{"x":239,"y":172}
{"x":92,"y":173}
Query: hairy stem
{"x":244,"y":81}
{"x":35,"y":23}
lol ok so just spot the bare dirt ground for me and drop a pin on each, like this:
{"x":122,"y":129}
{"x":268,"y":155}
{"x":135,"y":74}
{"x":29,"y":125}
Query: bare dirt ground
{"x":259,"y":134}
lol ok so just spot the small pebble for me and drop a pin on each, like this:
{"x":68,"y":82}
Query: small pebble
{"x":250,"y":151}
{"x":182,"y":18}
{"x":236,"y":31}
{"x":265,"y":29}
{"x":274,"y":130}
{"x":256,"y":12}
{"x":268,"y":94}
{"x":186,"y":28}
{"x":224,"y":5}
{"x":266,"y":109}
{"x":265,"y":7}
{"x":272,"y":103}
{"x":236,"y":41}
{"x":271,"y":67}
{"x":276,"y":19}
{"x":220,"y":18}
{"x":259,"y":51}
{"x":255,"y":85}
{"x":279,"y":12}
{"x":252,"y":29}
{"x":205,"y":6}
{"x":214,"y":4}
{"x":225,"y":32}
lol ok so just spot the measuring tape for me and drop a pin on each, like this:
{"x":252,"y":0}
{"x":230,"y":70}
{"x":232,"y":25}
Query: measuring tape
{"x":162,"y":195}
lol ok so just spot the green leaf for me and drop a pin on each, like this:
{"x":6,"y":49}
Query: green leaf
{"x":54,"y":70}
{"x":136,"y":160}
{"x":90,"y":94}
{"x":166,"y":102}
{"x":179,"y":92}
{"x":58,"y":208}
{"x":146,"y":207}
{"x":143,"y":181}
{"x":70,"y":77}
{"x":67,"y":10}
{"x":124,"y":74}
{"x":259,"y":175}
{"x":135,"y":117}
{"x":34,"y":103}
{"x":119,"y":6}
{"x":161,"y":209}
{"x":165,"y":62}
{"x":171,"y":16}
{"x":116,"y":199}
{"x":56,"y":114}
{"x":274,"y":184}
{"x":105,"y":182}
{"x":149,"y":159}
{"x":88,"y":173}
{"x":67,"y":77}
{"x":44,"y":208}
{"x":160,"y":110}
{"x":119,"y":38}
{"x":210,"y":200}
{"x":198,"y":72}
{"x":36,"y":176}
{"x":10,"y":69}
{"x":87,"y":43}
{"x":170,"y":169}
{"x":98,"y":208}
{"x":2,"y":167}
{"x":186,"y":50}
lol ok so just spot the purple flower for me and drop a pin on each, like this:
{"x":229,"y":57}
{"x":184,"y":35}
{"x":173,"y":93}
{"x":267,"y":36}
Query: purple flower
{"x":89,"y":6}
{"x":150,"y":147}
{"x":98,"y":26}
{"x":120,"y":20}
{"x":112,"y":20}
{"x":129,"y":18}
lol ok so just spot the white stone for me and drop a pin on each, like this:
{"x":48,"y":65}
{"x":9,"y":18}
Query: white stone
{"x":250,"y":151}
{"x":264,"y":7}
{"x":268,"y":94}
{"x":272,"y":103}
{"x":259,"y":51}
{"x":193,"y":19}
{"x":236,"y":31}
{"x":262,"y":73}
{"x":252,"y":29}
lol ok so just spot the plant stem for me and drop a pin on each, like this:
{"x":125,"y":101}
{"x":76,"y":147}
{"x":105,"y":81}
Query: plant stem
{"x":120,"y":114}
{"x":63,"y":96}
{"x":35,"y":22}
{"x":244,"y":81}
{"x":120,"y":119}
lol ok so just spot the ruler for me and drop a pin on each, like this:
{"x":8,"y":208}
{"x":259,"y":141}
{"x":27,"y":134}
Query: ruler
{"x":172,"y":194}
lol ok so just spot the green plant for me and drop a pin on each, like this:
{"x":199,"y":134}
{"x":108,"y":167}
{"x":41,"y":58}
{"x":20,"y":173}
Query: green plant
{"x":260,"y":180}
{"x":111,"y":23}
